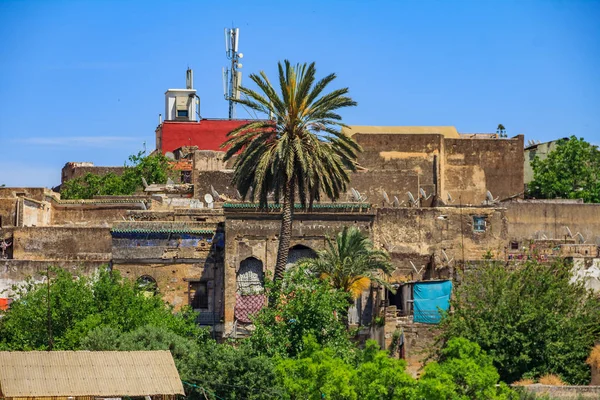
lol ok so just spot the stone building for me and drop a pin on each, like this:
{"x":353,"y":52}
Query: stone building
{"x":434,"y":198}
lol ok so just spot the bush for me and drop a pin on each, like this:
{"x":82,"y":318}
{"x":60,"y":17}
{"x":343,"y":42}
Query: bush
{"x":304,"y":305}
{"x":531,"y":319}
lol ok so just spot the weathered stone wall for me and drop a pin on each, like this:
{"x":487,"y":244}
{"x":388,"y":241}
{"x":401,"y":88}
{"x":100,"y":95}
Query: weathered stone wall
{"x":62,"y":243}
{"x":8,"y":211}
{"x":91,"y":214}
{"x":220,"y":181}
{"x":208,"y":160}
{"x":564,"y":392}
{"x":372,"y":184}
{"x":415,"y":234}
{"x":14,"y":272}
{"x":249,"y":234}
{"x":172,"y":280}
{"x":529,"y":219}
{"x":73,"y":170}
{"x":406,"y":155}
{"x":473,"y":166}
{"x":35,"y":213}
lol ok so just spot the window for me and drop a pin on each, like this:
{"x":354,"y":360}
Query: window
{"x":182,"y":113}
{"x":186,"y":176}
{"x":198,"y":295}
{"x":514,"y":245}
{"x":479,"y":224}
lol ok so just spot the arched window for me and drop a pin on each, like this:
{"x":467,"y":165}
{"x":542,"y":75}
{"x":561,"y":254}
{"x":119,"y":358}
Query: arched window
{"x":299,"y":252}
{"x":250,"y":277}
{"x":147,"y":285}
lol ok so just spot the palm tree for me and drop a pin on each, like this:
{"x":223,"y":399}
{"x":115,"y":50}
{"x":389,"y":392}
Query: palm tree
{"x":350,"y":262}
{"x":297,"y":154}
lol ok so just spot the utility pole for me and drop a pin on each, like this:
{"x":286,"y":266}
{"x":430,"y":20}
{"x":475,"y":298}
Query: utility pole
{"x":50,"y":340}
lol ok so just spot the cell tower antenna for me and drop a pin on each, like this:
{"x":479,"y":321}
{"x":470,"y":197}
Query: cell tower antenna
{"x":232,"y":76}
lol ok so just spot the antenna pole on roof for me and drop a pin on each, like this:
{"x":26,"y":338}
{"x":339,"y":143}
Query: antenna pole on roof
{"x":232,"y":76}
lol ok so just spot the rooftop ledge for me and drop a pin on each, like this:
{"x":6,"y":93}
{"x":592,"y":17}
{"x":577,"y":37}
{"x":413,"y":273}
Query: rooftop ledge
{"x":315,"y":208}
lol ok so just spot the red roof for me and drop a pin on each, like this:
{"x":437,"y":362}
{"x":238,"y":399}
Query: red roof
{"x":208,"y":134}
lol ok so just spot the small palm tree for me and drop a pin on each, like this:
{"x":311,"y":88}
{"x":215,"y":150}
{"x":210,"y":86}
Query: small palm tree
{"x":297,"y":155}
{"x":350,"y":263}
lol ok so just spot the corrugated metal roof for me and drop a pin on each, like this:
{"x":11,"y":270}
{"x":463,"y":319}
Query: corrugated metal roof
{"x":88,"y":373}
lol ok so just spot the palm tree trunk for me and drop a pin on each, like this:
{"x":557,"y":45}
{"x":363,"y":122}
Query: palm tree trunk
{"x":285,"y":234}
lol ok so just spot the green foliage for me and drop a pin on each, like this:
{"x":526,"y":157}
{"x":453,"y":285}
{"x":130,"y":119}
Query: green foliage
{"x":571,"y":171}
{"x":350,"y":262}
{"x":147,"y":337}
{"x":303,"y":305}
{"x":463,"y":372}
{"x":154,"y":168}
{"x":80,"y":304}
{"x":531,"y":320}
{"x":233,"y":373}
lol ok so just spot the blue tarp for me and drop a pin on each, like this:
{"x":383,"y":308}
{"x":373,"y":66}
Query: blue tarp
{"x":429,"y":298}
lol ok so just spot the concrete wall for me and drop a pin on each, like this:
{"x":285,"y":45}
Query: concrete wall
{"x":62,"y":243}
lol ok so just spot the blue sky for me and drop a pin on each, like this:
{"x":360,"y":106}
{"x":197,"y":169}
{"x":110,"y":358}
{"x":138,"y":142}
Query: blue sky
{"x":85,"y":80}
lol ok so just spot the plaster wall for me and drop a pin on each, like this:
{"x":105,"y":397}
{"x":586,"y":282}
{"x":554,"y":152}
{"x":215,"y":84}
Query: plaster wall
{"x":14,"y":272}
{"x":61,"y":243}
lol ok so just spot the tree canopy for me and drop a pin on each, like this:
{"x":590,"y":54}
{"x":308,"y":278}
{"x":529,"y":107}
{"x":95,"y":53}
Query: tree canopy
{"x":531,"y":319}
{"x":298,"y":153}
{"x":79,"y":304}
{"x":154,"y":169}
{"x":571,"y":171}
{"x":350,"y":263}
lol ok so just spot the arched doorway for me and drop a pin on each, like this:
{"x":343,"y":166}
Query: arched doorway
{"x":299,"y":252}
{"x":249,"y":297}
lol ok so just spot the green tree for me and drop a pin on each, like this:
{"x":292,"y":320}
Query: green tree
{"x":154,"y":169}
{"x":464,"y":372}
{"x":530,"y":319}
{"x":571,"y":171}
{"x":304,"y":305}
{"x":350,"y":263}
{"x":296,"y":155}
{"x":79,"y":304}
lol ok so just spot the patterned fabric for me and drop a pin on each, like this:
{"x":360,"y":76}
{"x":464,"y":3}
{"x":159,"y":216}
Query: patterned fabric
{"x":246,"y":306}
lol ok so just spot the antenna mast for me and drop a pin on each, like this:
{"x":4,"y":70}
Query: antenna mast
{"x":232,"y":77}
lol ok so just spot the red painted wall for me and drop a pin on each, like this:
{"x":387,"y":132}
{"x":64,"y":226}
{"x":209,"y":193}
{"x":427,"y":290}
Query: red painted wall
{"x":208,"y":134}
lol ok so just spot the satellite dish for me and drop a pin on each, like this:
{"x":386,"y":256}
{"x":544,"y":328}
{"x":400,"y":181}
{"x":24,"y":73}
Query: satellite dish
{"x":170,"y":156}
{"x":385,"y":197}
{"x":216,"y":196}
{"x":450,"y":199}
{"x":412,"y":199}
{"x":580,"y":237}
{"x":423,"y":193}
{"x":569,"y":232}
{"x":396,"y":202}
{"x":208,"y":198}
{"x":490,"y":198}
{"x":144,"y":182}
{"x":170,"y":182}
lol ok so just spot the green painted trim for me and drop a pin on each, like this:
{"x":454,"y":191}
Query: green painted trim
{"x":141,"y":230}
{"x":297,"y":206}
